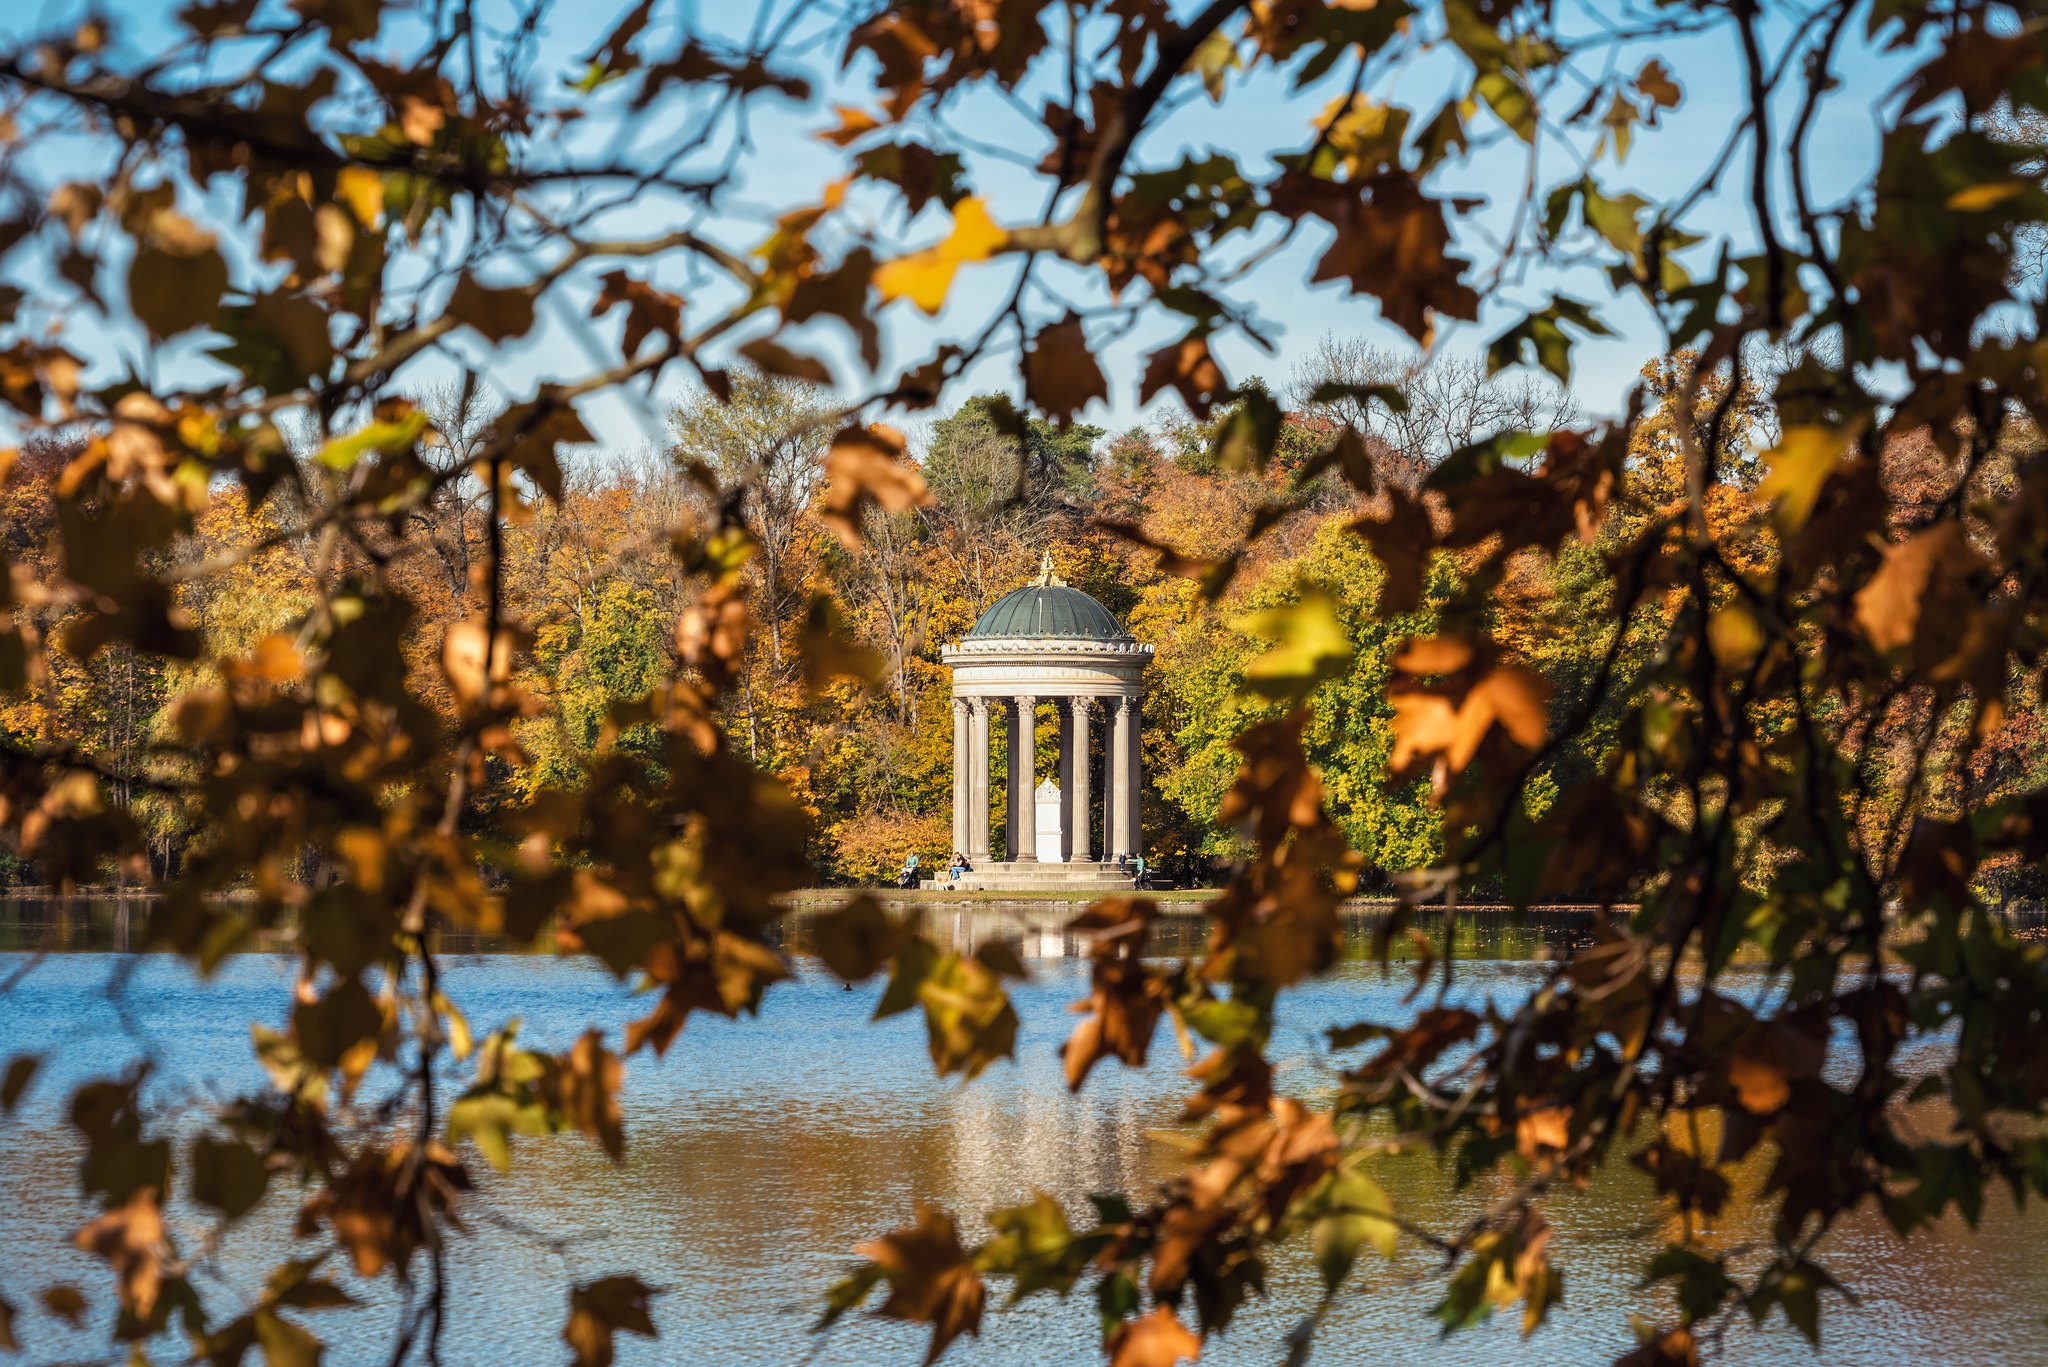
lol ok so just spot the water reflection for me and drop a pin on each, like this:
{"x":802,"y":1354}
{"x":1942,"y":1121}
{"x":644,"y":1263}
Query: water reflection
{"x":763,"y":1151}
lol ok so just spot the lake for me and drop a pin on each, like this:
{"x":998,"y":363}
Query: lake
{"x":761,"y":1152}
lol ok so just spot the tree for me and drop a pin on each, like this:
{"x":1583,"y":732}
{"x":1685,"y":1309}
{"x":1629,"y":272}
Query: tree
{"x":1803,"y":732}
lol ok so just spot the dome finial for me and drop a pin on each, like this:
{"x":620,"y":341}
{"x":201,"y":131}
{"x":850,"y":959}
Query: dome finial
{"x":1047,"y":576}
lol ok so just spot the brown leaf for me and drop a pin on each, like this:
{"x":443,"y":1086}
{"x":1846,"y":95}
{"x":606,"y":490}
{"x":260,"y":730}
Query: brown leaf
{"x":867,"y":466}
{"x":493,"y":312}
{"x":1392,"y":242}
{"x":174,"y":292}
{"x":599,"y":1310}
{"x":930,"y":1278}
{"x":132,"y":1240}
{"x":1436,"y":721}
{"x":463,"y":648}
{"x":1401,"y":541}
{"x":649,"y":311}
{"x":858,"y":938}
{"x":1060,"y":376}
{"x":777,"y":359}
{"x":586,"y":1087}
{"x":1188,"y":367}
{"x":67,"y":1303}
{"x":1154,"y":1340}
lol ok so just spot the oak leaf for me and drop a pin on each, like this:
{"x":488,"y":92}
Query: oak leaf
{"x":1060,"y":376}
{"x":650,"y":312}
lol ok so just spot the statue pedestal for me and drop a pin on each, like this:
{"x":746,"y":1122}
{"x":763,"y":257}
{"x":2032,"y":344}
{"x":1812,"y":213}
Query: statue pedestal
{"x":1048,"y":804}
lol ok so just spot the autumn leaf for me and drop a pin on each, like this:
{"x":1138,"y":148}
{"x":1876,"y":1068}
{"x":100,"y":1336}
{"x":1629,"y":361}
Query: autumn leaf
{"x":1796,"y":468}
{"x":585,"y":1088}
{"x":1890,"y":605}
{"x":650,"y":312}
{"x":926,"y":277}
{"x":600,"y":1310}
{"x":867,"y":467}
{"x":14,"y":1081}
{"x":1310,"y":645}
{"x":1154,"y":1340}
{"x":131,"y":1239}
{"x":1445,"y":721}
{"x":1188,"y":368}
{"x":1060,"y":376}
{"x":496,"y":313}
{"x":776,"y":359}
{"x":855,"y":940}
{"x":930,"y":1278}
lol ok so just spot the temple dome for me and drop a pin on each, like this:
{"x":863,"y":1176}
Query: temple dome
{"x":1047,"y":610}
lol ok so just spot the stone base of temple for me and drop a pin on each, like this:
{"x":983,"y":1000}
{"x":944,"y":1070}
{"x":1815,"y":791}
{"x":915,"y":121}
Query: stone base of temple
{"x":1062,"y":878}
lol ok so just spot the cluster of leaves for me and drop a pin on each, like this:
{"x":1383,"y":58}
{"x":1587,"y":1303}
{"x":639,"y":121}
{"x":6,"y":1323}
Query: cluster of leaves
{"x":1805,"y":655}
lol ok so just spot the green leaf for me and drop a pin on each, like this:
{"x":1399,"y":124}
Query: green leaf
{"x":379,"y":438}
{"x":1510,"y":102}
{"x":1358,"y":1214}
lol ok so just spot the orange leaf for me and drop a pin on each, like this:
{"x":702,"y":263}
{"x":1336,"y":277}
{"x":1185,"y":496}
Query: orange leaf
{"x":867,"y":465}
{"x":1156,"y":1340}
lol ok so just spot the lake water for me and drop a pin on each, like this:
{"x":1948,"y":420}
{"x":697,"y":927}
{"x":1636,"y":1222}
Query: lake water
{"x":761,"y":1152}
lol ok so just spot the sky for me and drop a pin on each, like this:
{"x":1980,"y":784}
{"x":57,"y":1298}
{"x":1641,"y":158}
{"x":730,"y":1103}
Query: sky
{"x":788,"y":164}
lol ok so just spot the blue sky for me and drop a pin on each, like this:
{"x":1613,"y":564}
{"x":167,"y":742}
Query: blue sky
{"x":788,"y":165}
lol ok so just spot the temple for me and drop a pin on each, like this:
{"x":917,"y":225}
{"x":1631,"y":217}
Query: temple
{"x":1048,"y":647}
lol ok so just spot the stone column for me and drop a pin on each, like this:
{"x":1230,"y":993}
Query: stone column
{"x":1134,"y":777}
{"x":1009,"y":706}
{"x":1023,"y":770}
{"x":1065,"y":771}
{"x":977,"y":782}
{"x":962,"y":769}
{"x":1077,"y":803}
{"x":1116,"y":802}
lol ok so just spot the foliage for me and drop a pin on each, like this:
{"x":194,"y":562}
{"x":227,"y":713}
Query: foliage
{"x":323,"y":644}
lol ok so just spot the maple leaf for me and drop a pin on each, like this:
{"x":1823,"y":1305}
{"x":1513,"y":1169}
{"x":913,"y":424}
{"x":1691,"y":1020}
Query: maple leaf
{"x":926,"y":277}
{"x":930,"y":1278}
{"x":1914,"y":573}
{"x":1401,"y":539}
{"x":1797,"y":467}
{"x":1310,"y":644}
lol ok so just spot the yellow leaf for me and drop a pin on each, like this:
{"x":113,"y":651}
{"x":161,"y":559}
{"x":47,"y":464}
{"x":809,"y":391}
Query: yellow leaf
{"x":1798,"y":465}
{"x":1734,"y":635}
{"x":1989,"y":195}
{"x":925,"y":277}
{"x":362,"y":190}
{"x":1310,"y":645}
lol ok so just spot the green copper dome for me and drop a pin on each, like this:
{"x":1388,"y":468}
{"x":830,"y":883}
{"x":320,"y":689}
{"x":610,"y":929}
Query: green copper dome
{"x":1048,"y":612}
